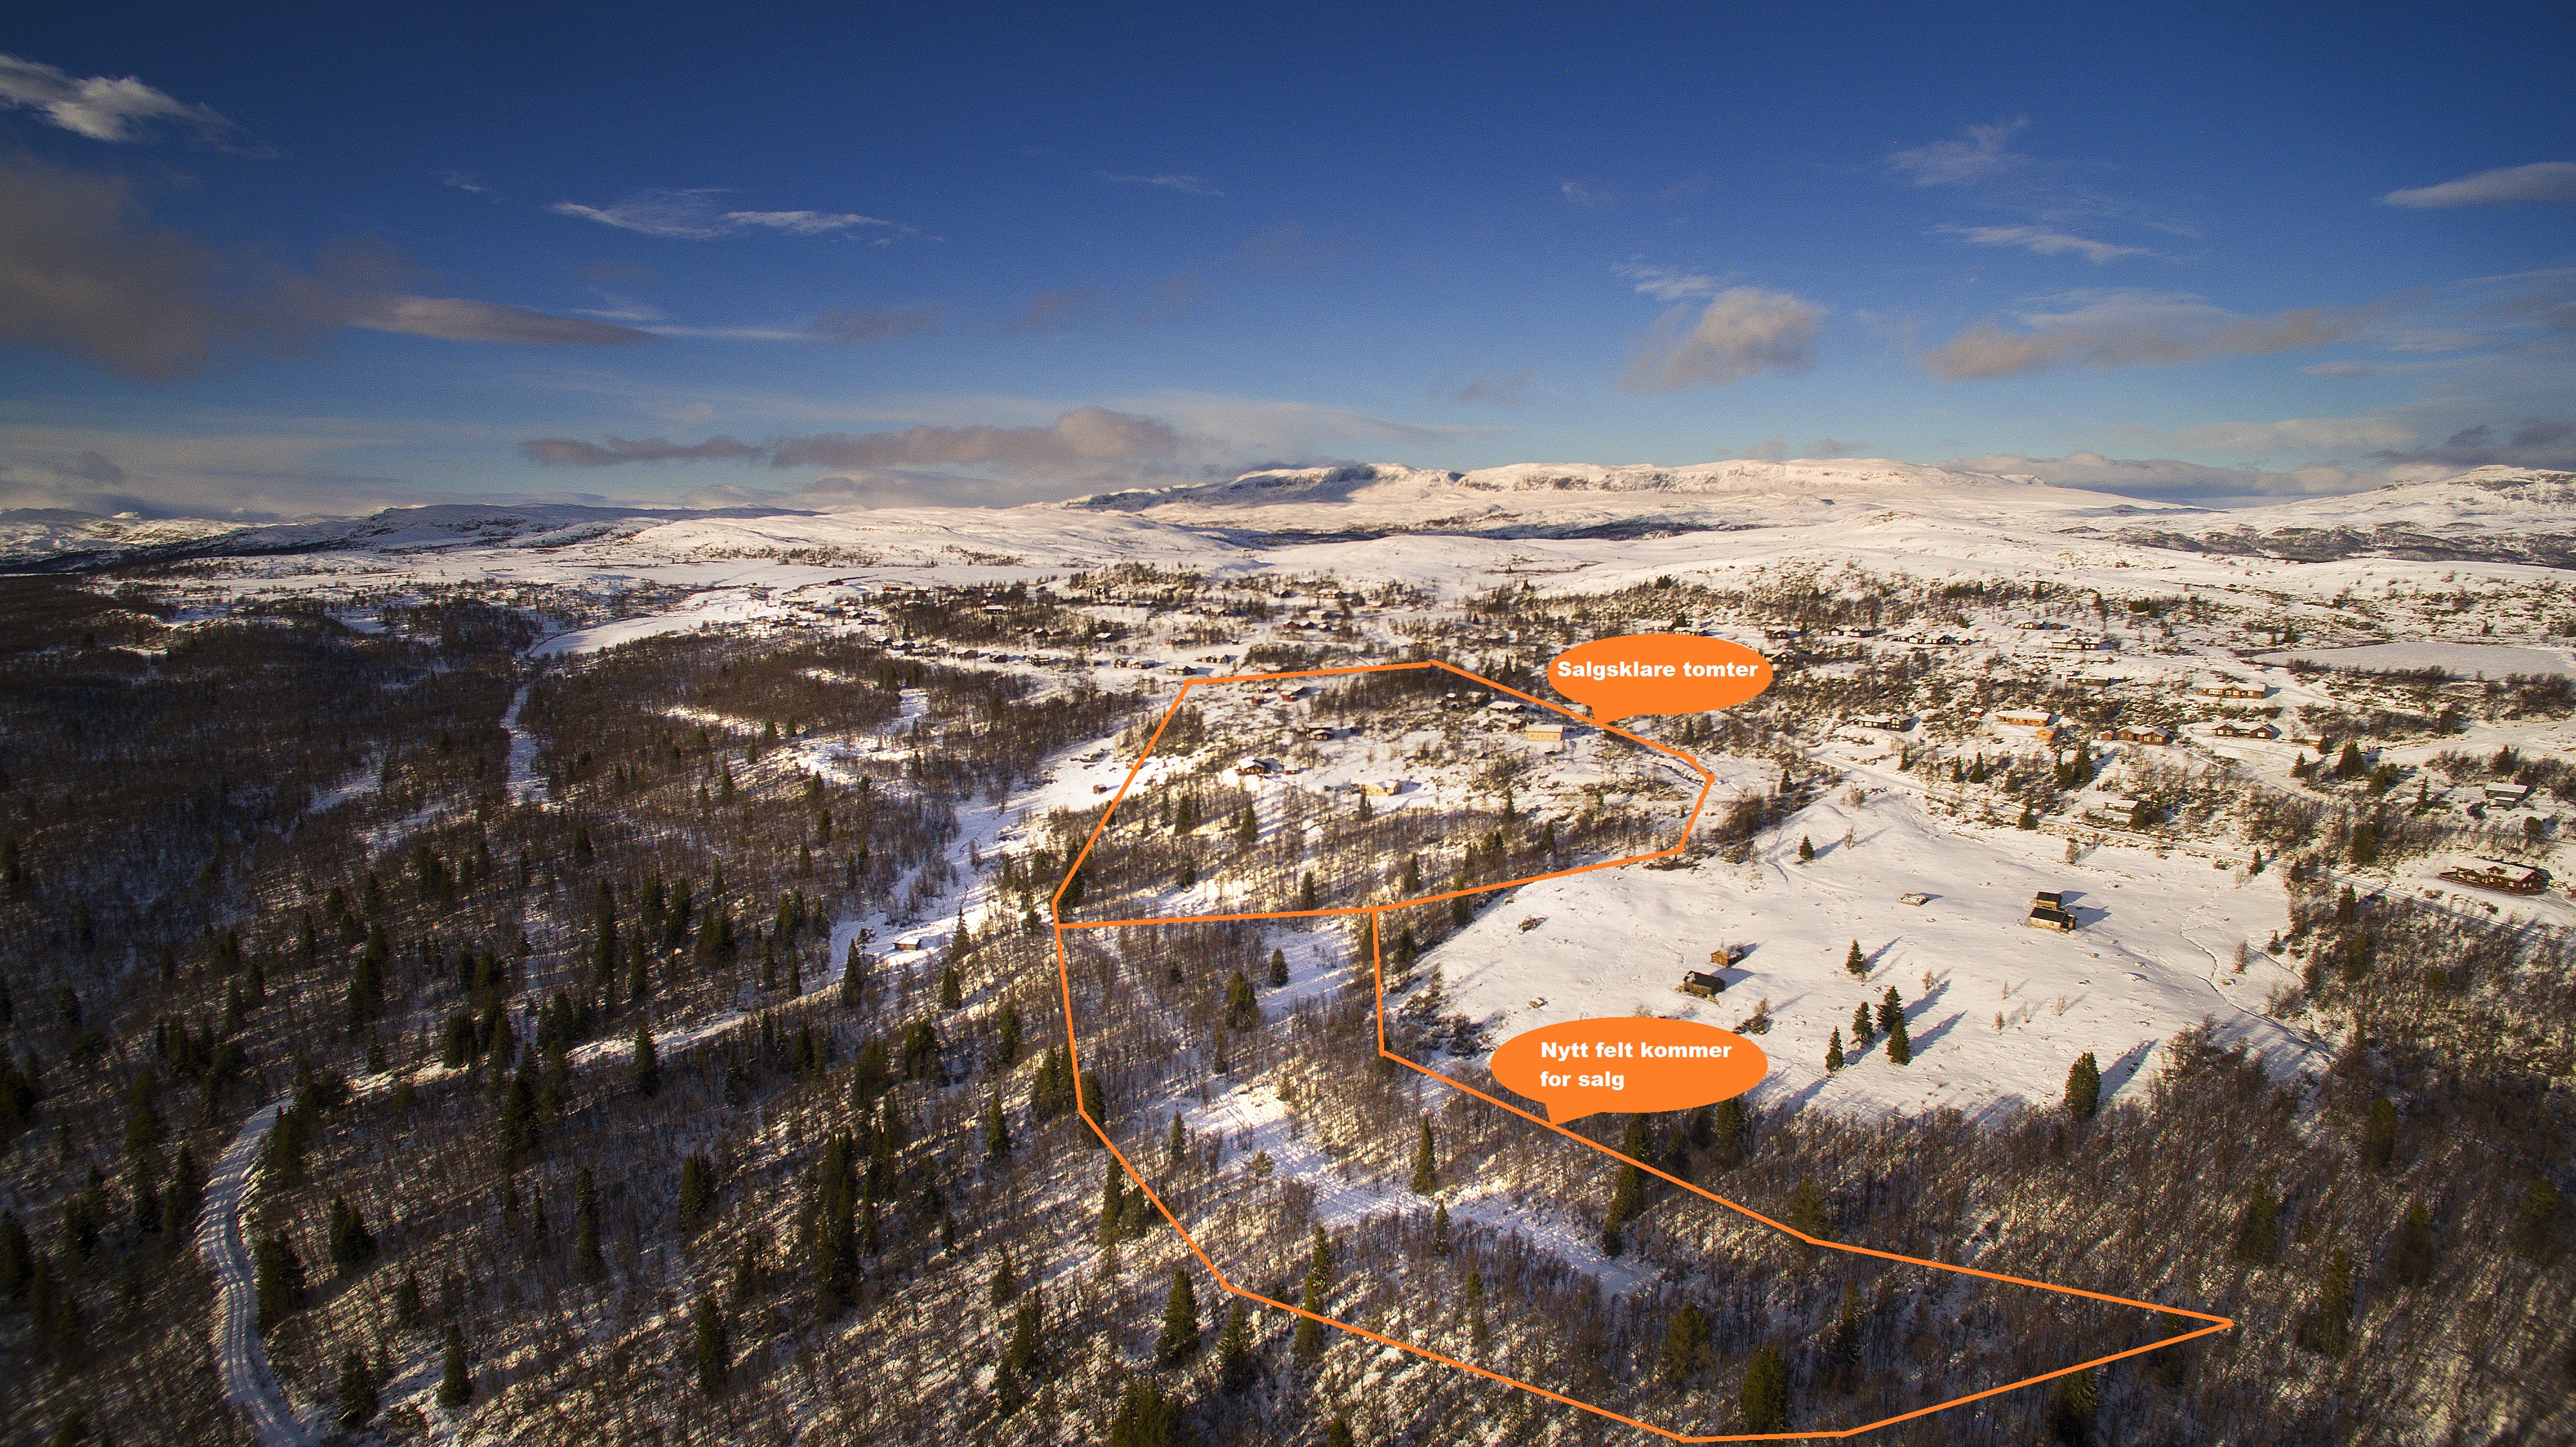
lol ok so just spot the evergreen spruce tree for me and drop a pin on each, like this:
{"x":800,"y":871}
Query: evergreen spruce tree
{"x":1862,"y":1036}
{"x":1278,"y":968}
{"x":639,"y":971}
{"x":1146,"y":1417}
{"x":1628,"y":1192}
{"x":586,"y":1248}
{"x":1025,"y":1352}
{"x":351,"y":1245}
{"x":1006,"y":1039}
{"x":1891,"y":1018}
{"x":646,"y":1072}
{"x":1176,"y":1145}
{"x":1806,"y":850}
{"x":2379,"y":1134}
{"x":1236,"y":1367}
{"x":1686,"y":1348}
{"x":1241,"y":1012}
{"x":697,"y":1190}
{"x":2073,"y":1400}
{"x":1477,"y":1330}
{"x":1807,"y":1209}
{"x":455,"y":1387}
{"x":2326,"y":1328}
{"x":952,"y":988}
{"x":1306,"y":890}
{"x":1006,"y":1282}
{"x":836,"y":1247}
{"x":1856,"y":963}
{"x":2083,"y":1087}
{"x":1247,"y":831}
{"x":997,"y":1131}
{"x":407,"y":1304}
{"x":1834,"y":1052}
{"x":1426,"y":1168}
{"x":1337,"y":1433}
{"x":1180,"y":1338}
{"x":714,"y":1353}
{"x":1309,"y":1344}
{"x":357,"y":1391}
{"x":1763,"y":1404}
{"x":2410,"y":1255}
{"x":1440,"y":1243}
{"x":1113,"y":1204}
{"x":279,"y":1280}
{"x":2258,"y":1226}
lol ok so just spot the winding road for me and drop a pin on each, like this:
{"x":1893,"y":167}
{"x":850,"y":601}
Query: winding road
{"x":240,"y":1358}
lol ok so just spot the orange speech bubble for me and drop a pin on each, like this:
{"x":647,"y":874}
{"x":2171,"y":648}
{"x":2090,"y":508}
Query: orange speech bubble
{"x":1584,"y":1067}
{"x":1658,"y":673}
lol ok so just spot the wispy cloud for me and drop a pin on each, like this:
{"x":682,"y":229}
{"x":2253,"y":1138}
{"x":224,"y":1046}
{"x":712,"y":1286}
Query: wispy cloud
{"x":852,"y":325}
{"x":1284,"y":247}
{"x":2288,"y":437}
{"x":2540,"y":181}
{"x":1084,"y":438}
{"x":695,"y":215}
{"x":1074,"y":308}
{"x":2042,"y":240}
{"x":2109,"y":330}
{"x":1743,"y":331}
{"x":462,"y":319}
{"x":2166,"y":479}
{"x":614,"y":451}
{"x":463,"y":181}
{"x":1986,"y":153}
{"x":2534,"y":442}
{"x":1506,"y":390}
{"x":85,"y":273}
{"x":1180,"y":181}
{"x":1590,"y":195}
{"x":107,"y":108}
{"x":1665,"y":285}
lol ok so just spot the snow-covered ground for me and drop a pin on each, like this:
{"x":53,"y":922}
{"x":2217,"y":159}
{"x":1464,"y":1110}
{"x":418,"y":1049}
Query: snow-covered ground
{"x":2468,"y":660}
{"x":2155,"y":954}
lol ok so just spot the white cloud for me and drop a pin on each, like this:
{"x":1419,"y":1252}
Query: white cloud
{"x":460,"y":319}
{"x":2108,"y":330}
{"x":2165,"y":479}
{"x":1744,"y":331}
{"x":693,"y":215}
{"x":103,"y":108}
{"x":1508,"y":390}
{"x":1664,"y":285}
{"x":2044,"y":241}
{"x":2540,"y":181}
{"x":1986,"y":153}
{"x":85,"y":273}
{"x":1180,"y":181}
{"x":2293,"y":436}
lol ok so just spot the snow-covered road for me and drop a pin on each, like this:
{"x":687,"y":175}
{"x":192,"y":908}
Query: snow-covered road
{"x":240,"y":1359}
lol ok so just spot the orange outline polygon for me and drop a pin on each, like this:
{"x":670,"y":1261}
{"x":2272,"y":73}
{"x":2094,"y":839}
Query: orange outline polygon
{"x":1073,"y":1047}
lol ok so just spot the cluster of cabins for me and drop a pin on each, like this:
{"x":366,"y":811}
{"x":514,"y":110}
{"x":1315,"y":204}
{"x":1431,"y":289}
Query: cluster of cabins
{"x":2501,"y":875}
{"x":2048,"y":911}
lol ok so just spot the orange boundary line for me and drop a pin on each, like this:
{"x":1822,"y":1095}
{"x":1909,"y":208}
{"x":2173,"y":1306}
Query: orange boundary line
{"x":1073,"y":1048}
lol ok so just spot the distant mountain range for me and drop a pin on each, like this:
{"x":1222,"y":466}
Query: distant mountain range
{"x":2491,"y":514}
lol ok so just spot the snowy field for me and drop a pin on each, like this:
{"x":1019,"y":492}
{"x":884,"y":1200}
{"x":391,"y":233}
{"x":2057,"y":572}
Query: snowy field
{"x":2155,"y":954}
{"x":2468,"y":660}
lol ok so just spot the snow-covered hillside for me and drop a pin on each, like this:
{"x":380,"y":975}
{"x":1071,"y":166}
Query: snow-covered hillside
{"x":1583,"y":499}
{"x":2498,"y":514}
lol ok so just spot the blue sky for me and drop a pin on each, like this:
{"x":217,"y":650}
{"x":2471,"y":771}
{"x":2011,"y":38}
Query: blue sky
{"x":307,"y":261}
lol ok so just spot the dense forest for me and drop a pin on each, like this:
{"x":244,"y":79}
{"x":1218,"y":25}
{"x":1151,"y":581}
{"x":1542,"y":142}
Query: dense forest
{"x":599,"y":1123}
